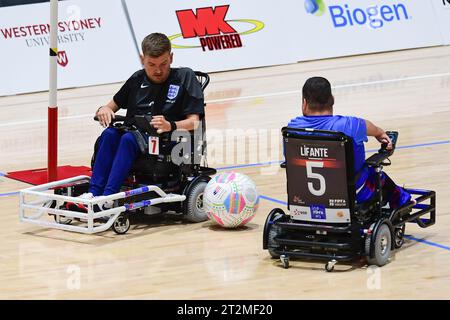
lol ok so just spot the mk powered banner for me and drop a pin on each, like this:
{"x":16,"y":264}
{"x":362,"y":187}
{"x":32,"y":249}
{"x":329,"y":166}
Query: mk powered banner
{"x":219,"y":36}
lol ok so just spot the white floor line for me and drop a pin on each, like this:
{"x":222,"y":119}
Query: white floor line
{"x":274,"y":94}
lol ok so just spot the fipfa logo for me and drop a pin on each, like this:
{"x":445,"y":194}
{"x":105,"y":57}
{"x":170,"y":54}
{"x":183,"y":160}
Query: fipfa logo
{"x":210,"y":26}
{"x":315,"y":7}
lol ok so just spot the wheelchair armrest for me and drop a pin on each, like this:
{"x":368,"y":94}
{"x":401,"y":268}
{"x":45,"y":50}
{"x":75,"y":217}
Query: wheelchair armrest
{"x":377,"y":159}
{"x":117,"y":118}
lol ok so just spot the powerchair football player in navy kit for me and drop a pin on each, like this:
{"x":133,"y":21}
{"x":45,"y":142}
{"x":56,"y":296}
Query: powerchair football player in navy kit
{"x":171,"y":97}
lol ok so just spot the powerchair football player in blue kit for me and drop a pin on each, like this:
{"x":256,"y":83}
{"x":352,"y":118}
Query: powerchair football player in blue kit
{"x":317,"y":109}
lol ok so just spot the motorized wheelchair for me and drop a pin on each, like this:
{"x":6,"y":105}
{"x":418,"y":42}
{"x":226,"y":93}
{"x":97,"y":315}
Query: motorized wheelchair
{"x":155,"y":185}
{"x":324,"y":221}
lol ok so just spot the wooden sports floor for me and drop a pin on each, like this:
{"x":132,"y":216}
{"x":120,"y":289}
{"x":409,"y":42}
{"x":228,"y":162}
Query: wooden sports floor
{"x":162,"y":258}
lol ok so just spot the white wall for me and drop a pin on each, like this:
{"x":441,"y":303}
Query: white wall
{"x":261,"y":33}
{"x":102,"y":50}
{"x":442,"y":11}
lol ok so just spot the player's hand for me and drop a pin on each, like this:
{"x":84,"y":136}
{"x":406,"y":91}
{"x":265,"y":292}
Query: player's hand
{"x":105,"y":115}
{"x":384,"y":138}
{"x":160,"y":124}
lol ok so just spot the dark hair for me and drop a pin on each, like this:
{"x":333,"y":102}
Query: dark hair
{"x":155,"y":44}
{"x":317,"y":93}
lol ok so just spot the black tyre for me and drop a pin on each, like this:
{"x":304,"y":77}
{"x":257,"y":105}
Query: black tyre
{"x":272,"y":245}
{"x":382,"y":244}
{"x":122,"y":224}
{"x":58,"y":218}
{"x":273,"y":231}
{"x":62,"y":219}
{"x":194,"y":210}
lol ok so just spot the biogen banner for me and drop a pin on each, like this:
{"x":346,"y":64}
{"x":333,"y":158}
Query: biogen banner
{"x":442,"y":10}
{"x":333,"y":28}
{"x":95,"y":45}
{"x":218,"y":35}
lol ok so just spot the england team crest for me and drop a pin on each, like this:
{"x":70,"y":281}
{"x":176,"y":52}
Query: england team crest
{"x":173,"y":91}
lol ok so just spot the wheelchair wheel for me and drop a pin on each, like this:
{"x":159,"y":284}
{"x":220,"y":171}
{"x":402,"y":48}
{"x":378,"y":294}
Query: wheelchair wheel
{"x":122,"y":224}
{"x":194,"y":203}
{"x":399,"y":234}
{"x":329,"y":266}
{"x":284,"y":261}
{"x":272,"y":231}
{"x":58,"y":218}
{"x":382,"y":246}
{"x":62,"y":219}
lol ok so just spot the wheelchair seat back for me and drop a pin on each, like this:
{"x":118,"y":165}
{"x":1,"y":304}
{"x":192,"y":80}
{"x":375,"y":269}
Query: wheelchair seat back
{"x":162,"y":167}
{"x":159,"y":166}
{"x":320,"y":175}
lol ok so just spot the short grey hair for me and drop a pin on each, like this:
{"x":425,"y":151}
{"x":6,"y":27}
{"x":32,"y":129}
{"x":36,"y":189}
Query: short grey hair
{"x":156,"y":44}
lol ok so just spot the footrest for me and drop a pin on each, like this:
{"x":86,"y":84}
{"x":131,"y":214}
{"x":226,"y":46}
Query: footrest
{"x":412,"y":212}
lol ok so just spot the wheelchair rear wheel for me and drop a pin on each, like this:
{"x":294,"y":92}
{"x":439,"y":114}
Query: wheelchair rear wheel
{"x":273,"y":231}
{"x":381,"y":245}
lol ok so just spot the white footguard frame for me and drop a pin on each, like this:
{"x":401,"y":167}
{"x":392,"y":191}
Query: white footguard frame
{"x":37,"y":203}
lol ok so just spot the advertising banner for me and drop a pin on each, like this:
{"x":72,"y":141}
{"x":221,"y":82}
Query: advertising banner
{"x":334,"y":28}
{"x":442,"y":10}
{"x":98,"y":46}
{"x":95,"y":45}
{"x":217,"y":36}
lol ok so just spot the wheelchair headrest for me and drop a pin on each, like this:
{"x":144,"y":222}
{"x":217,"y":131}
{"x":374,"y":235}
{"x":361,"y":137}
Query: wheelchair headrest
{"x":203,"y":78}
{"x":314,"y":134}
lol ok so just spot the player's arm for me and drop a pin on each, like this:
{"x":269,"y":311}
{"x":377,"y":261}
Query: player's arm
{"x":378,"y":133}
{"x":106,"y":113}
{"x":162,"y":125}
{"x":190,"y":123}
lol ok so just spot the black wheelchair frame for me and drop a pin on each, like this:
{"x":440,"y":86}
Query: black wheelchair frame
{"x":373,"y":230}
